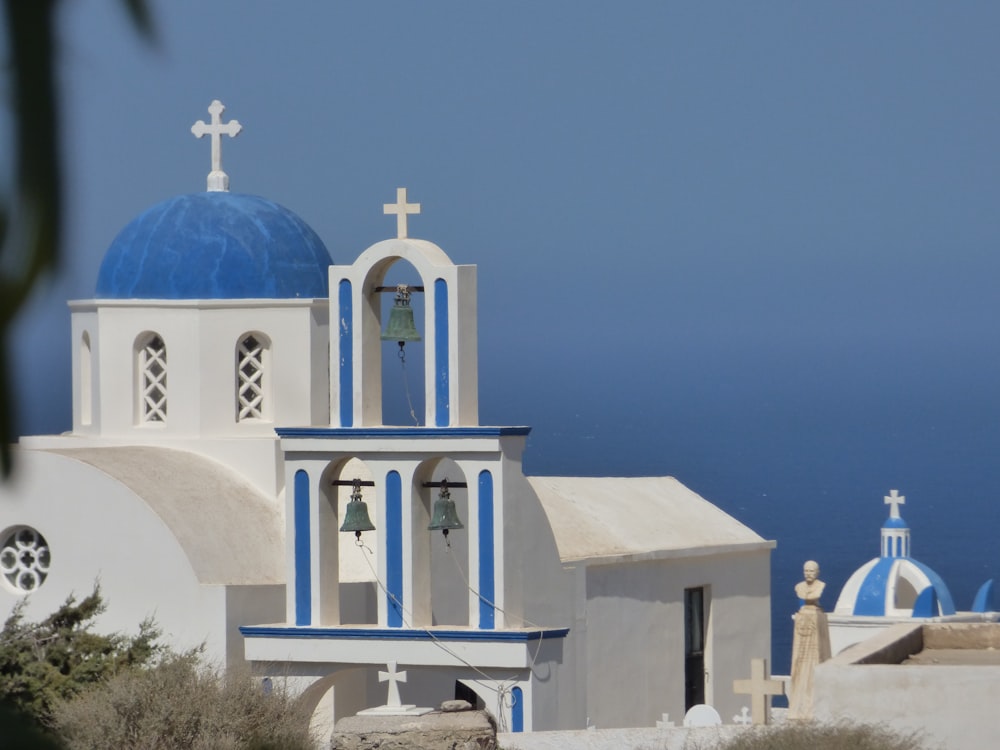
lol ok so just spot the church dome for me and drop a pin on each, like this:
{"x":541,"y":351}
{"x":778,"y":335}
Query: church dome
{"x":215,"y":245}
{"x":894,"y":584}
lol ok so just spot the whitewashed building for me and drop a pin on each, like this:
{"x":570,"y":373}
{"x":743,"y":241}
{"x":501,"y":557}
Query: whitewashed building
{"x":228,"y":406}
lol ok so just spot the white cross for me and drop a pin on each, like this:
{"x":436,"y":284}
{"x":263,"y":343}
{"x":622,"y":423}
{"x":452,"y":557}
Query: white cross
{"x":217,"y":179}
{"x":665,"y":723}
{"x":743,"y":717}
{"x":895,"y":500}
{"x":393,"y":678}
{"x":759,"y":687}
{"x":401,"y":208}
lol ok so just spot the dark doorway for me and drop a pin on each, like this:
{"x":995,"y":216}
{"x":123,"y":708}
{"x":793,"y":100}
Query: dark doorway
{"x":694,"y":646}
{"x":464,"y":693}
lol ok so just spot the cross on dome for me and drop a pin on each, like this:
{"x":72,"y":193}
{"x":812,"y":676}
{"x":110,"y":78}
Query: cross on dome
{"x":401,"y":208}
{"x":895,"y":500}
{"x":218,"y":181}
{"x":393,"y":678}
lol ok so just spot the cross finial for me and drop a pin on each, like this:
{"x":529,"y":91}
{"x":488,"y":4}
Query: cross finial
{"x":217,"y":179}
{"x":760,"y":688}
{"x":895,"y":500}
{"x":401,"y":208}
{"x":393,"y":678}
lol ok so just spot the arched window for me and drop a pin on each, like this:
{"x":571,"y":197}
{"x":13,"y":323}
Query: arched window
{"x":251,"y":363}
{"x":153,"y":379}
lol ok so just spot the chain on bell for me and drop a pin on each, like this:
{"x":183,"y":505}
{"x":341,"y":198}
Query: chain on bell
{"x":356,"y":517}
{"x":401,"y":327}
{"x":445,"y":515}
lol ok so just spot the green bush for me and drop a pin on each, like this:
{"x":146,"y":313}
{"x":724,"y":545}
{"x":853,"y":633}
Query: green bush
{"x":43,"y":663}
{"x":810,"y":736}
{"x":182,"y":704}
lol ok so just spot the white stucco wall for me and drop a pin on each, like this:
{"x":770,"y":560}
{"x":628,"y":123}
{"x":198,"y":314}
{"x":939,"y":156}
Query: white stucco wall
{"x":99,"y":530}
{"x":954,"y":706}
{"x":635,"y":634}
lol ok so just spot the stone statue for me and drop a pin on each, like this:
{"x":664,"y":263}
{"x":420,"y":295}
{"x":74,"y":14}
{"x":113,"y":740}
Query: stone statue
{"x":810,"y":642}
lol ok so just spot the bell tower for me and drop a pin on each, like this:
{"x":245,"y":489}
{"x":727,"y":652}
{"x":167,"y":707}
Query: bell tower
{"x":448,"y":330}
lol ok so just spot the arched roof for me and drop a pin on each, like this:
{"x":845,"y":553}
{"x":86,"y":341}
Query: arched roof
{"x":230,"y":532}
{"x":215,"y":245}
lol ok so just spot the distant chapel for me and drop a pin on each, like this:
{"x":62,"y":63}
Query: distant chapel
{"x":228,"y":405}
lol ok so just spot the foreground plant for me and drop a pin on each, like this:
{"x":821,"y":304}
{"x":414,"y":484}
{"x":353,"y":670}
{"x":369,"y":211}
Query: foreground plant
{"x":810,"y":736}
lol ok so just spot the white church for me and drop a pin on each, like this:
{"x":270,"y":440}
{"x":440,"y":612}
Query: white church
{"x":229,"y":473}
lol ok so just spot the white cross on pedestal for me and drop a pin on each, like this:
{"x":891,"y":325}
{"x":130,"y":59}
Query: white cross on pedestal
{"x":759,"y":687}
{"x":401,"y":208}
{"x":393,"y":678}
{"x":217,"y":179}
{"x":895,"y":500}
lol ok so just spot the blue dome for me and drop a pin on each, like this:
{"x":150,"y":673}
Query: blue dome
{"x":894,"y":523}
{"x":215,"y":245}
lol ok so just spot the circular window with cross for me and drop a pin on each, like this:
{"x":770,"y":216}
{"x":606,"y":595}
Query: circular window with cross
{"x":24,"y":558}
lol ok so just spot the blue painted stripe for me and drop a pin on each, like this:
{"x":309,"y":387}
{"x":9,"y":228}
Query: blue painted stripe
{"x":381,"y":433}
{"x":517,"y":710}
{"x":871,"y":595}
{"x":441,"y":374}
{"x":303,"y":577}
{"x":394,"y":548}
{"x":487,"y":592}
{"x":404,"y":634}
{"x":940,"y":588}
{"x":346,"y":326}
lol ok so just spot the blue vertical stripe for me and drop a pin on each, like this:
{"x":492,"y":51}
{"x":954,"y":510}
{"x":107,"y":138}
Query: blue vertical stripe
{"x":441,"y":375}
{"x":487,"y":612}
{"x":517,"y":710}
{"x":346,"y":326}
{"x":394,"y":548}
{"x":303,"y":578}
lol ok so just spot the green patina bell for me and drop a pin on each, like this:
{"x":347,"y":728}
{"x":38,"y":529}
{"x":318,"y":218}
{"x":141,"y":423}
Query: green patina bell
{"x":445,"y":516}
{"x":356,"y":517}
{"x":401,"y":327}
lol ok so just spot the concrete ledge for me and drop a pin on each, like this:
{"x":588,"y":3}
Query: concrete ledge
{"x":962,"y":636}
{"x":892,"y":646}
{"x":434,"y":731}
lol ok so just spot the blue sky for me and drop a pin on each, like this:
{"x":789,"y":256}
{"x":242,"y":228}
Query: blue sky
{"x":697,"y":225}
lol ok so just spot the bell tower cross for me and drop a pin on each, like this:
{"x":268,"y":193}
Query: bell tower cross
{"x":218,"y":181}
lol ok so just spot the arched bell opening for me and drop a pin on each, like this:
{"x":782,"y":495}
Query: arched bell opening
{"x":441,"y":554}
{"x":396,"y":296}
{"x":346,"y":560}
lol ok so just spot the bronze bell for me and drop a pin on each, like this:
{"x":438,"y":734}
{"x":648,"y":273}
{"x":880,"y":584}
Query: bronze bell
{"x":401,"y":327}
{"x":445,"y":516}
{"x":356,"y":517}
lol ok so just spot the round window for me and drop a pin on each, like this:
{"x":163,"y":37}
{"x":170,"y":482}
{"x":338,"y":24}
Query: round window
{"x":24,"y":558}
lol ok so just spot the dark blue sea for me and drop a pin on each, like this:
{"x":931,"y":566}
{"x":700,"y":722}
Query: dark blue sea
{"x":802,"y":457}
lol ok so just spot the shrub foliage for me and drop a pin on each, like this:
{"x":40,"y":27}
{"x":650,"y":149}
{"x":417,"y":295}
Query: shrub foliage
{"x":811,"y":736}
{"x":182,"y":704}
{"x":44,"y":663}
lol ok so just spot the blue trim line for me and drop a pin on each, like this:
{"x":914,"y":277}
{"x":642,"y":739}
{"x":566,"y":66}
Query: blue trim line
{"x":394,"y":548}
{"x":303,"y":577}
{"x":517,"y":710}
{"x":346,"y":326}
{"x":380,"y":433}
{"x":442,"y":403}
{"x":400,"y":634}
{"x":487,"y":593}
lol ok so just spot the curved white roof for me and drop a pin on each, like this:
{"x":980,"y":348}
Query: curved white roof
{"x":230,"y":532}
{"x":637,"y":518}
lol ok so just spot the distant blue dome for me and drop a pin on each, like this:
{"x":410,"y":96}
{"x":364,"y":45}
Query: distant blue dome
{"x":215,"y":245}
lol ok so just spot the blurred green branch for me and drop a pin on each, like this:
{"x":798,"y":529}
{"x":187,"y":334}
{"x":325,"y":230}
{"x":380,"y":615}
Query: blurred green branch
{"x":31,"y":217}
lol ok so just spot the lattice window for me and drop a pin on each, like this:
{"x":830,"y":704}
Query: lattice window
{"x":153,"y":375}
{"x":24,"y":559}
{"x":250,"y":378}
